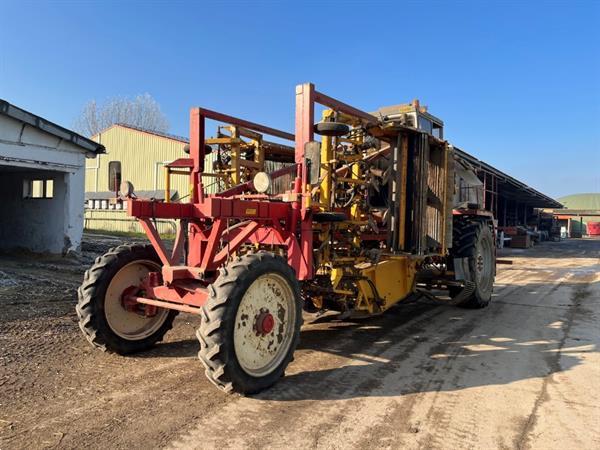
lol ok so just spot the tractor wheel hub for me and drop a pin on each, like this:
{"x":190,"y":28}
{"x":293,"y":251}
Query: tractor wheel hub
{"x":264,"y":323}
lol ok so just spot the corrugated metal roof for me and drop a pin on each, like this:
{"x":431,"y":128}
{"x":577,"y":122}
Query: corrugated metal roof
{"x":148,"y":131}
{"x":511,"y":186}
{"x":589,"y":200}
{"x":49,"y":127}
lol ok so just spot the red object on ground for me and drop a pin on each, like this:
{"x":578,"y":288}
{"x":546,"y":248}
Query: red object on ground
{"x":593,"y":228}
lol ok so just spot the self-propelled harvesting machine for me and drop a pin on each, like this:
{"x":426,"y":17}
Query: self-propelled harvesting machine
{"x":375,"y":211}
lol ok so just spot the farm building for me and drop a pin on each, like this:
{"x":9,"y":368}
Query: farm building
{"x":136,"y":155}
{"x":42,"y":167}
{"x":580,"y":210}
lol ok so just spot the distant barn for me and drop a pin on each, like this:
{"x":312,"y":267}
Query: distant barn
{"x":136,"y":155}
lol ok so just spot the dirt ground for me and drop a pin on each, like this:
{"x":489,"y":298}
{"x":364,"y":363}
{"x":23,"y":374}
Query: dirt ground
{"x":522,"y":373}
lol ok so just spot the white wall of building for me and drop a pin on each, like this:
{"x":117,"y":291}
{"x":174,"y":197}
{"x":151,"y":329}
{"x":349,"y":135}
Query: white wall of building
{"x":41,"y":225}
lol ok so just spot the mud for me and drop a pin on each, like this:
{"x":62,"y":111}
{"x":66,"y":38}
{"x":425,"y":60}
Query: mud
{"x":522,"y":373}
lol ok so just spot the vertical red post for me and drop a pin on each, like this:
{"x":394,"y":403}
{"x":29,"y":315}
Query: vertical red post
{"x":196,"y":245}
{"x":197,"y":152}
{"x":305,"y":119}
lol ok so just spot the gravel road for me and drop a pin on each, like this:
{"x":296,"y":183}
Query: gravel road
{"x":522,"y":373}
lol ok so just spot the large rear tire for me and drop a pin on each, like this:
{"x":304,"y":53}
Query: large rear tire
{"x":250,"y":324}
{"x":474,"y":241}
{"x":103,"y":319}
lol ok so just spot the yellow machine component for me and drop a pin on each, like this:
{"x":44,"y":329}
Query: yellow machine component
{"x":356,"y":178}
{"x":170,"y":171}
{"x":336,"y":276}
{"x":242,"y":154}
{"x":326,"y":165}
{"x":245,"y":157}
{"x":364,"y":186}
{"x":403,"y":175}
{"x":393,"y":279}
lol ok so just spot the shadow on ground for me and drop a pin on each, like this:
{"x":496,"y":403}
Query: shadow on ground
{"x":421,"y":347}
{"x":403,"y":353}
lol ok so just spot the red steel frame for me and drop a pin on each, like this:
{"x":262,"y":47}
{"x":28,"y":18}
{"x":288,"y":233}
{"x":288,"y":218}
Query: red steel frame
{"x":207,"y":218}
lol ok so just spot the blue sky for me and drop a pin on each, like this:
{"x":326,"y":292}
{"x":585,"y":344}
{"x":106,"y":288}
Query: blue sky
{"x":517,"y":83}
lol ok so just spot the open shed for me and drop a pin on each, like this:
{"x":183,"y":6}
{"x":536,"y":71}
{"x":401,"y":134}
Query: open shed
{"x":42,"y":170}
{"x":512,"y":201}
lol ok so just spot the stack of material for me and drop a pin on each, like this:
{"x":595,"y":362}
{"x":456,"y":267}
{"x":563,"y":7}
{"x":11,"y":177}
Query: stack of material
{"x":521,"y":241}
{"x":510,"y":231}
{"x":520,"y":237}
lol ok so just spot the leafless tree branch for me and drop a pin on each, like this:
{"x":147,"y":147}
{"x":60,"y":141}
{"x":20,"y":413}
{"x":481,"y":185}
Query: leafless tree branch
{"x":142,"y":111}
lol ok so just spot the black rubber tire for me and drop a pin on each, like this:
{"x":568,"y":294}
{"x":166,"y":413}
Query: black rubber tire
{"x":217,"y":352}
{"x":331,"y":129}
{"x":329,"y":216}
{"x":468,"y":241}
{"x":91,"y":294}
{"x":207,"y":149}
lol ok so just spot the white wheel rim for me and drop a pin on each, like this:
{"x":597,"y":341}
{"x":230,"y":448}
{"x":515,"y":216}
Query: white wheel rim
{"x":258,"y":353}
{"x":128,"y":324}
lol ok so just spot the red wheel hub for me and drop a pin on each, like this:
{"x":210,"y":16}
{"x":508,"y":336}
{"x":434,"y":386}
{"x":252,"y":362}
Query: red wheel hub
{"x":130,"y":304}
{"x":264,"y":323}
{"x":127,"y":298}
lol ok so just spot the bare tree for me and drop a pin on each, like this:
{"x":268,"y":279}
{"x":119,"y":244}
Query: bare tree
{"x":142,"y":111}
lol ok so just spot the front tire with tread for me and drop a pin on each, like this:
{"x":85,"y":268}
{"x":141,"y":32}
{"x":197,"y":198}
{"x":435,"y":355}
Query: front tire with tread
{"x":216,"y":332}
{"x":91,"y":301}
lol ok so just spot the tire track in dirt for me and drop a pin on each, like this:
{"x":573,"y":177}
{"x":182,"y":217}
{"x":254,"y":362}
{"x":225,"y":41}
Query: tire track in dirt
{"x":578,"y":295}
{"x":52,"y":384}
{"x":451,"y":429}
{"x":298,"y":402}
{"x":351,"y":412}
{"x":417,"y":377}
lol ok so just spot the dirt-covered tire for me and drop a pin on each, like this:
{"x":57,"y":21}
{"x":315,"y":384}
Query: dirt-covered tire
{"x":105,"y":323}
{"x":474,"y":241}
{"x":238,"y":350}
